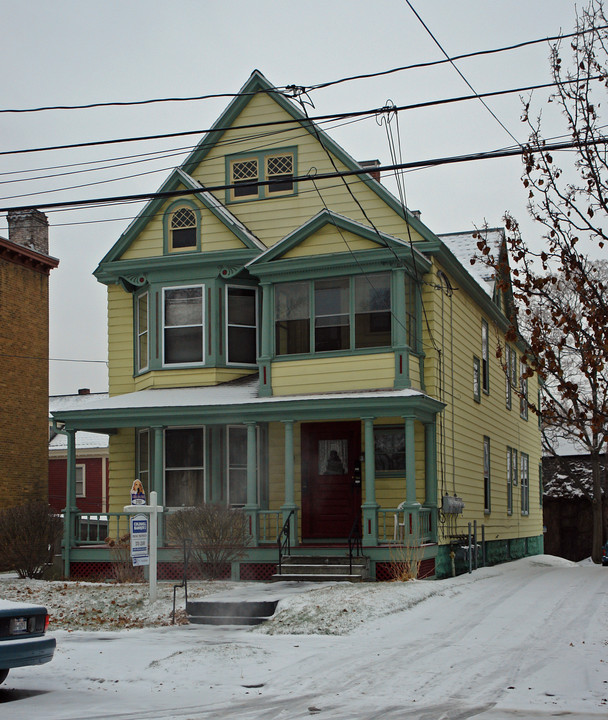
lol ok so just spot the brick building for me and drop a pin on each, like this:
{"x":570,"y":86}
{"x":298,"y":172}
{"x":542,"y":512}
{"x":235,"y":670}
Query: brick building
{"x":24,"y":349}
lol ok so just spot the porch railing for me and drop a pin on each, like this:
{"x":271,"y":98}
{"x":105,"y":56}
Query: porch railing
{"x":403,"y":525}
{"x":94,"y":528}
{"x":270,"y":524}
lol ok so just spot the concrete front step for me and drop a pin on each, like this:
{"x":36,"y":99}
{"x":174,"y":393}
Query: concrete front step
{"x":217,"y":612}
{"x":316,"y":577}
{"x":324,"y":560}
{"x":314,"y":569}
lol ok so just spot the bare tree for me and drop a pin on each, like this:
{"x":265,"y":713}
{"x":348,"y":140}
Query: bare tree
{"x":560,"y":303}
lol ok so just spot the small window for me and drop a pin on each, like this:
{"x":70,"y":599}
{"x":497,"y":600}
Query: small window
{"x":389,"y":449}
{"x":511,"y":477}
{"x":476,"y":379}
{"x":485,"y":357}
{"x":525,"y":490}
{"x":279,"y":169}
{"x":487,"y":506}
{"x":511,"y":374}
{"x":183,"y":325}
{"x":184,"y":466}
{"x":80,"y":481}
{"x":241,"y":314}
{"x":244,"y":176}
{"x":183,"y":230}
{"x":141,"y":330}
{"x":292,"y":318}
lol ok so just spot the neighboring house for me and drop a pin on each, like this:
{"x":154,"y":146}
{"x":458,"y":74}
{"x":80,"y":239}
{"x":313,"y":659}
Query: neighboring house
{"x":92,"y":459}
{"x":24,"y":350}
{"x":310,"y":352}
{"x":567,"y":508}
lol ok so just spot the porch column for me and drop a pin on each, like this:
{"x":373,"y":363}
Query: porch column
{"x":370,"y":506}
{"x":252,"y":507}
{"x":69,"y":517}
{"x":157,"y":483}
{"x":411,"y":506}
{"x":290,"y":494}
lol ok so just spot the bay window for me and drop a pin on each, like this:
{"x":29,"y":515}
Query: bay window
{"x":184,"y":466}
{"x":241,"y":319}
{"x":142,"y":331}
{"x":183,"y":325}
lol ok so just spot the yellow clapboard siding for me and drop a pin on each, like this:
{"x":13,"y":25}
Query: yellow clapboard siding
{"x":330,"y":240}
{"x":120,"y":341}
{"x":122,"y":468}
{"x":351,"y":372}
{"x":188,"y":378}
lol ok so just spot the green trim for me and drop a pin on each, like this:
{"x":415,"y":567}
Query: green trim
{"x":176,"y":205}
{"x":402,"y":249}
{"x":262,"y":190}
{"x":422,"y":407}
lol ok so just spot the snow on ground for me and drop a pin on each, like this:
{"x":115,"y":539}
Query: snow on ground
{"x":527,"y":639}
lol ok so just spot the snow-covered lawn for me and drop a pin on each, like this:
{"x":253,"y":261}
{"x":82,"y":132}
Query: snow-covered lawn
{"x":528,"y":639}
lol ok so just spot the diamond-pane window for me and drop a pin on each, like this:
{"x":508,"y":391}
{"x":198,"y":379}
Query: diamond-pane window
{"x":244,"y":176}
{"x":279,"y":168}
{"x":183,"y":229}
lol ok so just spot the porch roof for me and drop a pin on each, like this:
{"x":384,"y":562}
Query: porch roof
{"x":239,"y":402}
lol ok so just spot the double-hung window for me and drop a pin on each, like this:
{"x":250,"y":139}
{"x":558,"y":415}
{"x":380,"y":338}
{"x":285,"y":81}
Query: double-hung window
{"x":372,"y":310}
{"x":389,"y":449}
{"x":332,"y":316}
{"x":279,"y":169}
{"x":525,"y":486}
{"x":142,"y":331}
{"x":182,"y":234}
{"x":80,"y":481}
{"x":292,"y":318}
{"x":511,"y":374}
{"x":523,"y":390}
{"x":485,"y":357}
{"x":184,"y":466}
{"x":183,"y":336}
{"x":511,"y":477}
{"x":241,"y":315}
{"x":276,"y":167}
{"x":244,"y":174}
{"x":487,"y":504}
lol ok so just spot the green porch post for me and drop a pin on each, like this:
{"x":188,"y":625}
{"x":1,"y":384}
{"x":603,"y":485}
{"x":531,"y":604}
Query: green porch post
{"x":70,"y":509}
{"x":156,"y":483}
{"x":430,"y":473}
{"x":370,"y":506}
{"x":290,"y":492}
{"x":412,"y":506}
{"x":252,"y":507}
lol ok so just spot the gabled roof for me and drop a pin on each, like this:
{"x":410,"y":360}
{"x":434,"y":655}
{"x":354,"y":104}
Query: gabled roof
{"x":256,"y":83}
{"x":329,"y":217}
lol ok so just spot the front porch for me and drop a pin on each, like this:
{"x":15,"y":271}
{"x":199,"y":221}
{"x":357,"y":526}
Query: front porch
{"x":324,"y":469}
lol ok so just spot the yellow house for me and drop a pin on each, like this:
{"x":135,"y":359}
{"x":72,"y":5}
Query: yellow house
{"x":308,"y":351}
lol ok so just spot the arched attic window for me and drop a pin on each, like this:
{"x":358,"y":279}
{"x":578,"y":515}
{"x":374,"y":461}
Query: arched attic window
{"x":183,"y":229}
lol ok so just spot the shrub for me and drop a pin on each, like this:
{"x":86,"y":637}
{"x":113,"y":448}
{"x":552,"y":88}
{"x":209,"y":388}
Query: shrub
{"x":219,"y":535}
{"x":120,"y":557}
{"x":28,"y":536}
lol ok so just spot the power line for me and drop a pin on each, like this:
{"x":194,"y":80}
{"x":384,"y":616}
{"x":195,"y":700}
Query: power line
{"x":453,"y":64}
{"x":307,"y":88}
{"x":50,"y":359}
{"x":433,"y":162}
{"x":318,"y":118}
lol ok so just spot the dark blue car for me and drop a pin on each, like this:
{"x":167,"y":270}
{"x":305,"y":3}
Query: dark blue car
{"x":22,"y":636}
{"x":605,"y":555}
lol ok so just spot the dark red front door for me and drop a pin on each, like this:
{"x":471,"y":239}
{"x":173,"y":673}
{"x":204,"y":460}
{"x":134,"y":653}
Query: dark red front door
{"x":330,"y":498}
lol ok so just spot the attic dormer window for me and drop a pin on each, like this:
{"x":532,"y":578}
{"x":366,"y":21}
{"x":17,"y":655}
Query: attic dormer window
{"x":245,"y":172}
{"x":183,"y":229}
{"x":244,"y":177}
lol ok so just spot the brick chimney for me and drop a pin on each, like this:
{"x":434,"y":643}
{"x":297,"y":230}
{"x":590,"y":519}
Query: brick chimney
{"x":29,"y":228}
{"x":371,"y":164}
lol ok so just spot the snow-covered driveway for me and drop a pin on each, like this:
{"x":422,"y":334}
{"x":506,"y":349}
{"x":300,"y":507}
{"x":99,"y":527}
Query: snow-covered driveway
{"x":524,"y":640}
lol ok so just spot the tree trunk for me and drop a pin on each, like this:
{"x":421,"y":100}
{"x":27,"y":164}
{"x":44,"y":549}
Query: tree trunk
{"x":597,"y":507}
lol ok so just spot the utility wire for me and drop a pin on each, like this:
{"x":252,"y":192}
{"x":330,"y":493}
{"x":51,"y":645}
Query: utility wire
{"x":318,"y":118}
{"x":307,"y":88}
{"x":453,"y":64}
{"x":434,"y":162}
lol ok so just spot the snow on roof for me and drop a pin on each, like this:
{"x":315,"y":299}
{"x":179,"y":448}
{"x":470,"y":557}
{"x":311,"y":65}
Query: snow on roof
{"x":464,"y":247}
{"x":84,"y":441}
{"x":234,"y":393}
{"x":75,"y":401}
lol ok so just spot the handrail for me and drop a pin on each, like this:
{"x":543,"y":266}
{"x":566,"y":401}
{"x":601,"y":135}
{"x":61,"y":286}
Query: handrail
{"x":354,"y":541}
{"x":286,"y":542}
{"x":184,"y":582}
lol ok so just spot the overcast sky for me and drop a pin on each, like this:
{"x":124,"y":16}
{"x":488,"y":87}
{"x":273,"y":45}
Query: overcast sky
{"x":78,"y":51}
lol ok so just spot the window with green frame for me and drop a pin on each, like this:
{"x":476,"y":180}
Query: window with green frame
{"x":525,"y":486}
{"x":142,"y":334}
{"x":389,"y":449}
{"x":341,"y":313}
{"x":244,"y":172}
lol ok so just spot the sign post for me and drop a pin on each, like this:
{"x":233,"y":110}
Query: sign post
{"x":145,"y":520}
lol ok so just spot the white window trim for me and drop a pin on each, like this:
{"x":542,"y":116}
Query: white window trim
{"x":227,"y":325}
{"x":204,"y":468}
{"x":139,"y":333}
{"x":257,"y":452}
{"x":203,"y":326}
{"x":524,"y":460}
{"x":83,"y":468}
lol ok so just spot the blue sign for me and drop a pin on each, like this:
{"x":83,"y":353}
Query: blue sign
{"x":140,"y":552}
